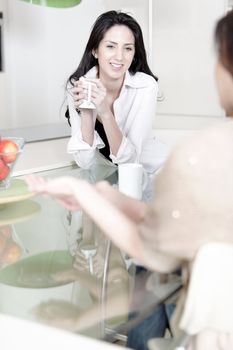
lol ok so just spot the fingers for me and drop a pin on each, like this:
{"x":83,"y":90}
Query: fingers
{"x":79,"y":95}
{"x":62,"y":189}
{"x":35,"y":183}
{"x":80,"y":91}
{"x":62,"y":186}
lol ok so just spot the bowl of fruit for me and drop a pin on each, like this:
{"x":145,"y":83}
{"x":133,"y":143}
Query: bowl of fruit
{"x":10,"y":149}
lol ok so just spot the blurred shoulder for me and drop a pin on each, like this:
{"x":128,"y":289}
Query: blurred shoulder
{"x":213,"y":143}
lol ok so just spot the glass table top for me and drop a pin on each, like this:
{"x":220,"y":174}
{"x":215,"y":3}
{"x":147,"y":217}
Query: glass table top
{"x":56,"y":267}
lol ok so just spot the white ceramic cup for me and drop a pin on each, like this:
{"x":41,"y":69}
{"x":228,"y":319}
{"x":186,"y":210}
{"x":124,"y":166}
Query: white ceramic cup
{"x":132,"y":179}
{"x":87,"y":103}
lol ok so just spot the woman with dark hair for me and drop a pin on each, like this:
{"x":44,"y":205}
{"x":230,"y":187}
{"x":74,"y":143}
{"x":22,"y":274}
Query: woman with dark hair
{"x":103,"y":23}
{"x":124,"y":92}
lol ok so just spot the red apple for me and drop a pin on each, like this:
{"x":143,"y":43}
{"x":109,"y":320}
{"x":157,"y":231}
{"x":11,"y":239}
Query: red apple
{"x":8,"y":150}
{"x":4,"y":170}
{"x":11,"y":253}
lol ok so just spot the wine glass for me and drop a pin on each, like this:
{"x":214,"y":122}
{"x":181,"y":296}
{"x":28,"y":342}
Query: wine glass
{"x":89,"y":251}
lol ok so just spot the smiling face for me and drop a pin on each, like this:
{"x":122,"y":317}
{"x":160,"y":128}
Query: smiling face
{"x":115,"y":53}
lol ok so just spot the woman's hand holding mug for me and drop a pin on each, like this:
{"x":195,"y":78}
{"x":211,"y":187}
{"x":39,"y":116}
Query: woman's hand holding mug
{"x":90,"y":94}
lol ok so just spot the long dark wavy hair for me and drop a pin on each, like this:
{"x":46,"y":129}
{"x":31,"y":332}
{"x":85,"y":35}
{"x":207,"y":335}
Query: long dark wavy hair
{"x":224,"y":41}
{"x":103,"y":23}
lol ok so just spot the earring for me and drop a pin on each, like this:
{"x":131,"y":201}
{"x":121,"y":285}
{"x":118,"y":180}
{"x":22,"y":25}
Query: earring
{"x":95,"y":55}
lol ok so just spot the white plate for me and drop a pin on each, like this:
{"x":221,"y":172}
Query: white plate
{"x":12,"y":213}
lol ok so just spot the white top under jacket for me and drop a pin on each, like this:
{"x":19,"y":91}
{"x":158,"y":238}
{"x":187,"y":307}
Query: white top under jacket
{"x":134,"y":111}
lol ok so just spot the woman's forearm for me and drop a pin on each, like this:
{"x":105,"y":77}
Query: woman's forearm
{"x":134,"y":209}
{"x":87,"y":127}
{"x":113,"y":133}
{"x":114,"y":222}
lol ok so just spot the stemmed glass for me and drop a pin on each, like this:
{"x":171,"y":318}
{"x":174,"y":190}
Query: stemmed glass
{"x":89,"y":251}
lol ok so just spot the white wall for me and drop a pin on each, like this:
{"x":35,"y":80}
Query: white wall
{"x":3,"y":110}
{"x":184,"y":57}
{"x":43,"y":47}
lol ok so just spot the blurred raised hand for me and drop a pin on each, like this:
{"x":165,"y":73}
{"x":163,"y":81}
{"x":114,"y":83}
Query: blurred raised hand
{"x":62,"y":189}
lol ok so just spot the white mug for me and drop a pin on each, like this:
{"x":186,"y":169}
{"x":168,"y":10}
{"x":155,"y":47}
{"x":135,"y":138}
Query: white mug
{"x":132,"y":179}
{"x":87,"y":103}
